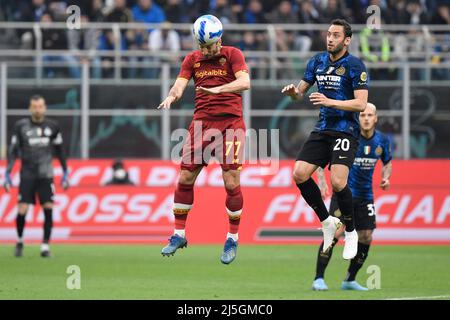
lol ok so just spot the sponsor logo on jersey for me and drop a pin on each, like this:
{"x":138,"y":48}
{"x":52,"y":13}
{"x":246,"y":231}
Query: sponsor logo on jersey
{"x":40,"y":141}
{"x":214,"y":72}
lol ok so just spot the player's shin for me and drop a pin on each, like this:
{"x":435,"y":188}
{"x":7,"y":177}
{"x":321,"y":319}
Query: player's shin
{"x":234,"y":204}
{"x":357,"y":262}
{"x":183,"y":200}
{"x":323,"y":258}
{"x":48,"y":225}
{"x":20,"y":226}
{"x":345,"y":202}
{"x":311,"y":193}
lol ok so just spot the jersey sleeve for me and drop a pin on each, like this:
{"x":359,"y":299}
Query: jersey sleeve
{"x":386,"y":156}
{"x":237,"y":61}
{"x":187,"y":68}
{"x":14,"y":148}
{"x":309,"y":75}
{"x":358,"y":75}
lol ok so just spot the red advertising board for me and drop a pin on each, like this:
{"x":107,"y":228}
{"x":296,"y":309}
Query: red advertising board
{"x":415,"y":210}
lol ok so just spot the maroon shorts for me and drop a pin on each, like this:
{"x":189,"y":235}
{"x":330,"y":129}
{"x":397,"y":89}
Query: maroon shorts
{"x":222,"y":138}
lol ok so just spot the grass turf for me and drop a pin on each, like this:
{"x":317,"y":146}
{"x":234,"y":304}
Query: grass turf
{"x":259,"y":272}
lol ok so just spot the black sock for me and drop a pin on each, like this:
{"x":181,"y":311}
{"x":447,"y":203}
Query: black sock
{"x":357,"y":262}
{"x":48,"y":224}
{"x":20,"y":225}
{"x":323,"y":258}
{"x":311,"y":193}
{"x":345,"y":202}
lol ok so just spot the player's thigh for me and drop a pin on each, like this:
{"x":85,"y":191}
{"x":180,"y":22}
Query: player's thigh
{"x":46,"y":191}
{"x":192,"y":152}
{"x":364,"y":217}
{"x":343,"y":149}
{"x":303,"y":171}
{"x":189,"y":176}
{"x":233,"y":144}
{"x":231,"y":178}
{"x":339,"y":176}
{"x":27,"y":191}
{"x":315,"y":150}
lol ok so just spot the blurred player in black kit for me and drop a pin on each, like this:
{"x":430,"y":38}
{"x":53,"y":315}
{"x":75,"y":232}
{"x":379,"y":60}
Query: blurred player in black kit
{"x":35,"y":140}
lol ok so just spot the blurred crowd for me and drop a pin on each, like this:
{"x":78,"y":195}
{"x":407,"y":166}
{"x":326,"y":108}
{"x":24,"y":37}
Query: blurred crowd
{"x":165,"y":38}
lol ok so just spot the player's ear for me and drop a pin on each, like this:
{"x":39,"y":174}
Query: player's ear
{"x":347,"y":41}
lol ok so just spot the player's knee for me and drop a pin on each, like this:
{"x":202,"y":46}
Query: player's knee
{"x":338,"y":183}
{"x":300,"y":175}
{"x":230,"y":184}
{"x":48,"y":205}
{"x":365,"y":237}
{"x":22,"y":209}
{"x":186,"y":177}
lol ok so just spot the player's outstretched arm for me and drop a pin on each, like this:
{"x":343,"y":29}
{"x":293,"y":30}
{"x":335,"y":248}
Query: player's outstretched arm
{"x":322,"y":183}
{"x":175,"y":93}
{"x":241,"y":83}
{"x":296,"y":92}
{"x":13,"y":153}
{"x":356,"y":105}
{"x":386,"y":173}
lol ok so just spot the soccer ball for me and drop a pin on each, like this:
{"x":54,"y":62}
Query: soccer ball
{"x":207,"y":29}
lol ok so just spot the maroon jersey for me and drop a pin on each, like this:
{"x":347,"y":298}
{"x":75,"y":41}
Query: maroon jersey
{"x":213,"y":72}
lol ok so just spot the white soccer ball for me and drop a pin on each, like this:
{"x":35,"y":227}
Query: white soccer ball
{"x":207,"y":29}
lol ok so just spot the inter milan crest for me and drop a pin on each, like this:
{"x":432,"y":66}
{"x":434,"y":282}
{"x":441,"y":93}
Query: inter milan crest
{"x":366,"y":150}
{"x":340,"y":71}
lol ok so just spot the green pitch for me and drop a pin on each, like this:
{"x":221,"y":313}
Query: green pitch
{"x":259,"y":272}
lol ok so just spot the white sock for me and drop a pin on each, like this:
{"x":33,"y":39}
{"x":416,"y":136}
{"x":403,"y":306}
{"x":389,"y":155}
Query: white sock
{"x":233,"y":236}
{"x":180,"y":232}
{"x":45,"y":247}
{"x":20,"y":240}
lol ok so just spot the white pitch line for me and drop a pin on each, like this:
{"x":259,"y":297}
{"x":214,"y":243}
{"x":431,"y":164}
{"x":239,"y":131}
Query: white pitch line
{"x":421,"y":298}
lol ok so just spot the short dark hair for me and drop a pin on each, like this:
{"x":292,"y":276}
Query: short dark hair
{"x":347,"y":27}
{"x":36,"y":97}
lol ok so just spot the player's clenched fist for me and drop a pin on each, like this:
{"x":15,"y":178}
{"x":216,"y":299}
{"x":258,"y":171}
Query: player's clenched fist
{"x":166,"y":103}
{"x":291,"y":90}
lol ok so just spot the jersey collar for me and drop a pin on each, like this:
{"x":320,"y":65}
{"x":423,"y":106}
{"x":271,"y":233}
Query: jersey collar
{"x":334,"y":62}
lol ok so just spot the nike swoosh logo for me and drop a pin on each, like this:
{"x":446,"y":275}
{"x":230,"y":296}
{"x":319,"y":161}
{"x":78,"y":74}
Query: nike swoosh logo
{"x":341,"y":157}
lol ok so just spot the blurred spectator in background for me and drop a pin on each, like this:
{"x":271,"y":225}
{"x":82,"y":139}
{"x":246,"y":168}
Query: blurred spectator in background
{"x":147,"y":11}
{"x":441,"y":17}
{"x":175,"y":12}
{"x":163,"y":39}
{"x":332,"y":10}
{"x":119,"y":174}
{"x":285,"y":39}
{"x":86,"y":39}
{"x":56,"y":39}
{"x":223,"y":11}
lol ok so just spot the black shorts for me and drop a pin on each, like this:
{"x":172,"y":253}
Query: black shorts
{"x":329,"y":147}
{"x":29,"y":188}
{"x":364,"y":212}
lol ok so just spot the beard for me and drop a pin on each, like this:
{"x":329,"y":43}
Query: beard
{"x":338,"y":48}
